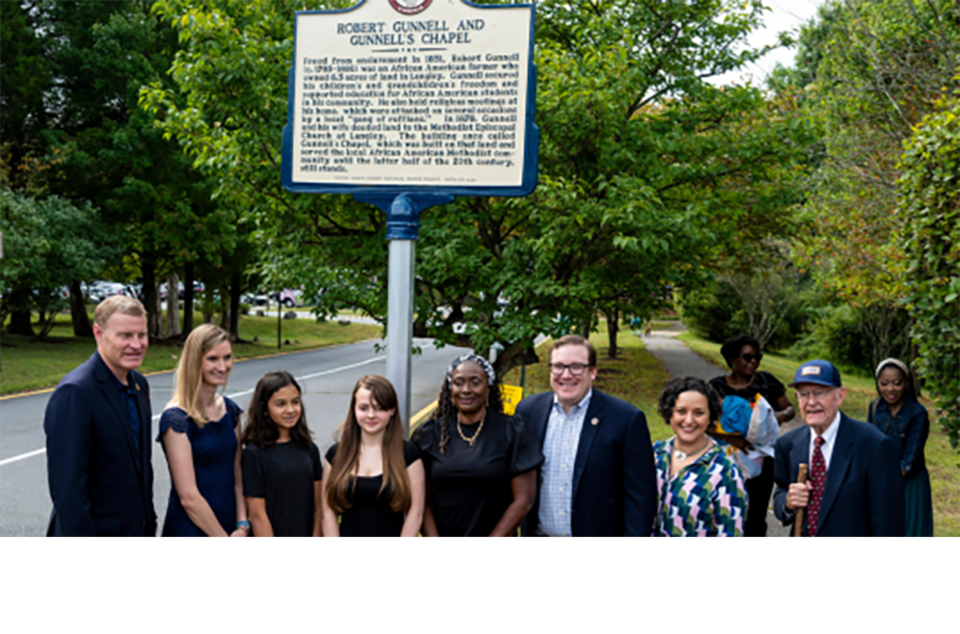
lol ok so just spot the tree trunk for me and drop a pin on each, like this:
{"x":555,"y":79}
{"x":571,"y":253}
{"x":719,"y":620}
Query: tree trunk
{"x":20,"y":323}
{"x":613,"y":327}
{"x":173,"y":305}
{"x":187,"y":298}
{"x":148,"y":291}
{"x":235,"y":307}
{"x":78,"y":312}
{"x":225,"y":313}
{"x":514,"y":355}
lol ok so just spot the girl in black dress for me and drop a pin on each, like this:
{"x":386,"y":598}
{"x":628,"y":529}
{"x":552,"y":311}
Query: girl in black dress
{"x":481,"y":464}
{"x":281,"y":465}
{"x":372,"y":477}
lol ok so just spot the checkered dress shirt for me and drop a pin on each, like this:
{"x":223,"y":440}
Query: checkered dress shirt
{"x":560,"y":452}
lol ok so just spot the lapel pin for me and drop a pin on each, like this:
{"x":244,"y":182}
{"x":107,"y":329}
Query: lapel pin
{"x":137,"y":385}
{"x":594,"y":421}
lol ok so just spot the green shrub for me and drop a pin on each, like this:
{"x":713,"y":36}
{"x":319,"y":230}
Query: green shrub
{"x":928,"y":196}
{"x":713,"y":311}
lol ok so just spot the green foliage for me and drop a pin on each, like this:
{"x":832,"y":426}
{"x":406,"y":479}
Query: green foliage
{"x":871,"y":70}
{"x":25,"y":76}
{"x":645,"y":169}
{"x":929,"y":195}
{"x":853,"y":338}
{"x":713,"y":311}
{"x":717,"y":311}
{"x":48,"y":243}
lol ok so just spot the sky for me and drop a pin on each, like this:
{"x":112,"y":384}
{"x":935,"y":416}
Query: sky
{"x":785,"y":15}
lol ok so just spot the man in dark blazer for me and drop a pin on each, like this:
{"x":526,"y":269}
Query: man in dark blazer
{"x":598,"y":477}
{"x":98,"y":433}
{"x":854,"y":488}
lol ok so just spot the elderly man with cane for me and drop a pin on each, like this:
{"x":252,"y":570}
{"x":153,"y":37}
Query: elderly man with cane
{"x":854,"y":487}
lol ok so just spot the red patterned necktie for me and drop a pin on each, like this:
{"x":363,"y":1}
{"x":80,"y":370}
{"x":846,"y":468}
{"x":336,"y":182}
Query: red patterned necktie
{"x":818,"y":477}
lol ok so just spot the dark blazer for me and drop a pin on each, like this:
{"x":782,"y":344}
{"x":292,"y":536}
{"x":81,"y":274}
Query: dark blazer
{"x":95,"y":482}
{"x":863,"y":495}
{"x":614,"y":479}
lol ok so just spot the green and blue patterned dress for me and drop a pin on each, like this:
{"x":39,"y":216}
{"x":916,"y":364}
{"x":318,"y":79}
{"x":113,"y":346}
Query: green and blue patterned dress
{"x":705,"y":499}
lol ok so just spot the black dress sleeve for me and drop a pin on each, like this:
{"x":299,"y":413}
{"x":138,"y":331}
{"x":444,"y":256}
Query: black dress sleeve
{"x":331,"y":453}
{"x":525,"y":454}
{"x":251,"y":468}
{"x":774,"y":389}
{"x":411,"y":453}
{"x":720,"y":386}
{"x":423,"y":437}
{"x":316,"y":462}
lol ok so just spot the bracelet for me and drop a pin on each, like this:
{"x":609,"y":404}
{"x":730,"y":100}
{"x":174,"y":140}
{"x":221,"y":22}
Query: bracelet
{"x":243,"y":524}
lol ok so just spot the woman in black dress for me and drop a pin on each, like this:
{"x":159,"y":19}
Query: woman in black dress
{"x":743,"y":355}
{"x":372,"y":477}
{"x":281,"y":464}
{"x":481,"y":465}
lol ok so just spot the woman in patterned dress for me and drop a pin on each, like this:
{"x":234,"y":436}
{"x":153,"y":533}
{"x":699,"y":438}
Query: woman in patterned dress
{"x":701,"y":490}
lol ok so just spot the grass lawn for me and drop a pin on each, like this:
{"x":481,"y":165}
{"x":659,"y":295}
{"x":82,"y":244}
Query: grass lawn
{"x":27,"y":364}
{"x":943,"y":463}
{"x":635,"y":376}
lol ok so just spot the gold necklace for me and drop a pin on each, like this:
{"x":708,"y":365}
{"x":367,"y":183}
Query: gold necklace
{"x":472,"y":439}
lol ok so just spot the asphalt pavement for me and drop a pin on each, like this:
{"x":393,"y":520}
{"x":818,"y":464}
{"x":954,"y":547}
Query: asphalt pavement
{"x":327,"y":376}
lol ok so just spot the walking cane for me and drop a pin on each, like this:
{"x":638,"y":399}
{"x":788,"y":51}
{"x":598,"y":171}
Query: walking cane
{"x":798,"y":523}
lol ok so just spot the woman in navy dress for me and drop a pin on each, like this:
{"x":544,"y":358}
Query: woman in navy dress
{"x":904,"y":421}
{"x":200,"y":434}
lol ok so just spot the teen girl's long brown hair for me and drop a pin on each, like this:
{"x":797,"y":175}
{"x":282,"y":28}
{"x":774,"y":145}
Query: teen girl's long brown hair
{"x":345,"y":463}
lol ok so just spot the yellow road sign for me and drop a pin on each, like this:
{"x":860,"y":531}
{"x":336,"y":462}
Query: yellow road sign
{"x":511,"y":395}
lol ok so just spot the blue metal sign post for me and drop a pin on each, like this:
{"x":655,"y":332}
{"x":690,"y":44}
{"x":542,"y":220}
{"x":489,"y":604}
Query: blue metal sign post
{"x":406,"y":104}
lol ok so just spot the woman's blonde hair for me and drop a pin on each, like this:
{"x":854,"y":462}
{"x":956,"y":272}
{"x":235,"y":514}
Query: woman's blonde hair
{"x":189,"y":375}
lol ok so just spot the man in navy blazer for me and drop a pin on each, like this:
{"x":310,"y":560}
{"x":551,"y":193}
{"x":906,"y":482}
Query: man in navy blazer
{"x":98,"y":433}
{"x":855,"y":488}
{"x":598,"y":477}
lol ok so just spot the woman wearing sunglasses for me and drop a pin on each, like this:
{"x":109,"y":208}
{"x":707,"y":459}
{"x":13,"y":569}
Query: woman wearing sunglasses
{"x":743,"y":355}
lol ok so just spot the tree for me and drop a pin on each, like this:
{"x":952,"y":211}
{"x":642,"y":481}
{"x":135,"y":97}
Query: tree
{"x":875,"y":69}
{"x":929,"y":194}
{"x":646,"y":170}
{"x":25,"y":77}
{"x":48,"y":243}
{"x":96,"y":145}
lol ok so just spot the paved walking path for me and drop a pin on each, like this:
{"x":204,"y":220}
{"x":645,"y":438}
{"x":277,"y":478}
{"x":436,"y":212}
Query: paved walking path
{"x":679,"y":360}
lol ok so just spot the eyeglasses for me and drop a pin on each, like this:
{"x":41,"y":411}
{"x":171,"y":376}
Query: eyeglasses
{"x":751,"y":357}
{"x":576,"y":369}
{"x":806,"y":395}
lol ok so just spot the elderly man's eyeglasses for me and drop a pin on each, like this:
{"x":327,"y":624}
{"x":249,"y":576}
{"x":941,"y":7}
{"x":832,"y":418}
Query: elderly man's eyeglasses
{"x":576,"y":369}
{"x":817,"y":395}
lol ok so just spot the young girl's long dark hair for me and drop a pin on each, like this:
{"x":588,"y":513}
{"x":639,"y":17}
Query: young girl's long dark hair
{"x":342,"y":482}
{"x":260,"y":429}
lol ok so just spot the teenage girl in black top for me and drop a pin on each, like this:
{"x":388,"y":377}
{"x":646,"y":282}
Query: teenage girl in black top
{"x":372,"y":478}
{"x":281,"y":465}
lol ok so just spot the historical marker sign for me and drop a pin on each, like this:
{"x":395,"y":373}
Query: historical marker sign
{"x":412,"y":95}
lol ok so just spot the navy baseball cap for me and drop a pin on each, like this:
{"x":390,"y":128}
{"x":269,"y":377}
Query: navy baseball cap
{"x":819,"y":372}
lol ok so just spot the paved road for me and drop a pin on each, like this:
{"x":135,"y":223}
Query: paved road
{"x":327,"y":377}
{"x":679,"y":360}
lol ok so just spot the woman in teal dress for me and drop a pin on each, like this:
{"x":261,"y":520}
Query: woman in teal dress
{"x":904,"y":421}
